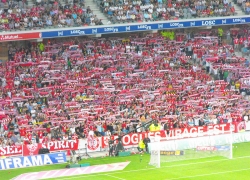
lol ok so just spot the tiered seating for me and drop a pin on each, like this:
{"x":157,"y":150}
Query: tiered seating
{"x":245,"y":5}
{"x":18,"y":16}
{"x":125,"y":11}
{"x":109,"y":85}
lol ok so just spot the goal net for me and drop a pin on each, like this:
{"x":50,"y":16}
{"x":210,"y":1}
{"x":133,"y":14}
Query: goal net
{"x":167,"y":150}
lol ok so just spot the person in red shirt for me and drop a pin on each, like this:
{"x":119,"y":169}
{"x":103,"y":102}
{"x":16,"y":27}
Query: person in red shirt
{"x":10,"y":133}
{"x":40,"y":136}
{"x":236,"y":43}
{"x":29,"y":136}
{"x":64,"y":129}
{"x":22,"y":132}
{"x":26,"y":140}
{"x":5,"y":127}
{"x":45,"y":139}
{"x":241,"y":40}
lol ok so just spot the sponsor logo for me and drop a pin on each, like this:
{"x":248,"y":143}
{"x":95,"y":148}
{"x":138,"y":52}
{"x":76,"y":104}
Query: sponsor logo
{"x":110,"y":29}
{"x":60,"y":33}
{"x":206,"y":148}
{"x":241,"y":127}
{"x":27,"y":161}
{"x":160,"y":26}
{"x":208,"y":23}
{"x":32,"y":148}
{"x":144,"y":27}
{"x":127,"y":28}
{"x":192,"y":23}
{"x":10,"y":150}
{"x":239,"y":20}
{"x":222,"y":148}
{"x":55,"y":174}
{"x":60,"y":145}
{"x":9,"y":37}
{"x":94,"y":31}
{"x":78,"y":32}
{"x":172,"y":153}
{"x":93,"y":143}
{"x":176,"y":25}
{"x":224,"y":21}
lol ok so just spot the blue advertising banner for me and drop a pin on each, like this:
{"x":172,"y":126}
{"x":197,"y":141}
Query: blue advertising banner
{"x":144,"y":27}
{"x":29,"y":161}
{"x":222,"y":148}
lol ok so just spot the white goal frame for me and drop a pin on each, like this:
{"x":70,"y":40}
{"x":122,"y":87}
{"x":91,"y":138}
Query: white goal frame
{"x":174,"y":144}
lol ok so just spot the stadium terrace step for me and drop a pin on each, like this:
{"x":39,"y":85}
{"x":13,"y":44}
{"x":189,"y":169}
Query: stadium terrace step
{"x":96,"y":10}
{"x":238,"y":10}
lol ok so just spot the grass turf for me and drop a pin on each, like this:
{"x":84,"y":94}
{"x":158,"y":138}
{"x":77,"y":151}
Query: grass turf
{"x":206,"y":168}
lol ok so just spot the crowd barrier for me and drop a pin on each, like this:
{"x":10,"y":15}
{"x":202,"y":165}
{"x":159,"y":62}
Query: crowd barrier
{"x":130,"y":140}
{"x":105,"y":29}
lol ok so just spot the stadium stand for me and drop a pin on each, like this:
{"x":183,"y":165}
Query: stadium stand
{"x":244,"y":5}
{"x":21,"y":15}
{"x":64,"y":89}
{"x":145,"y":10}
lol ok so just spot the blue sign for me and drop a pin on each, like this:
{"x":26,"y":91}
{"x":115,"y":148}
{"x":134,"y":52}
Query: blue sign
{"x":222,"y":148}
{"x":145,"y":27}
{"x":29,"y":161}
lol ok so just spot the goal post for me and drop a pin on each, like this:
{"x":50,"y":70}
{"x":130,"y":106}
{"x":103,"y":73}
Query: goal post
{"x":167,"y":150}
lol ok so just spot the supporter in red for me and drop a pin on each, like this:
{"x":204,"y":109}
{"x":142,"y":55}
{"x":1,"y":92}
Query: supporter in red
{"x":40,"y":135}
{"x":45,"y":139}
{"x":26,"y":139}
{"x":22,"y":132}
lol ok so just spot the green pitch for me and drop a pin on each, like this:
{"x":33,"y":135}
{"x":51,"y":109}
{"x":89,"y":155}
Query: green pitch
{"x":199,"y":169}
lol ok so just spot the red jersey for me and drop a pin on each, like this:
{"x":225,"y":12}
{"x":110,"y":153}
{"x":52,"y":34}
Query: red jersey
{"x":236,"y":41}
{"x":29,"y":136}
{"x":241,"y":41}
{"x":40,"y":135}
{"x":45,"y":139}
{"x":22,"y":132}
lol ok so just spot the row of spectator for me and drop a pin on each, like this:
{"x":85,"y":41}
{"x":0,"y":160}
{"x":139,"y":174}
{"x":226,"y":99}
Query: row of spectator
{"x":64,"y":88}
{"x":157,"y":10}
{"x":42,"y":16}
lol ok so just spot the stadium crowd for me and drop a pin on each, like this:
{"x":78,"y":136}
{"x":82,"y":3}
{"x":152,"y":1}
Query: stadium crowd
{"x":59,"y":90}
{"x":145,"y":10}
{"x":16,"y":15}
{"x":244,"y":4}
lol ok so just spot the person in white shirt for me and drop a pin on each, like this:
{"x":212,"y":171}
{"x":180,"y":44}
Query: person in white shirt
{"x":138,"y":128}
{"x":150,"y":10}
{"x":9,"y":11}
{"x":35,"y":19}
{"x":124,"y":18}
{"x":108,"y":133}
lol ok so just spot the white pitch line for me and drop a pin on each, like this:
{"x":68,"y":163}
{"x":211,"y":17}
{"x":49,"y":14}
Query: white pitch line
{"x":136,"y":170}
{"x":114,"y":177}
{"x":210,"y":174}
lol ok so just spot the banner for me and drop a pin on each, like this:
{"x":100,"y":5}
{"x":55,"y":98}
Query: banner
{"x":20,"y":36}
{"x":160,"y":25}
{"x":93,"y":144}
{"x":172,"y":153}
{"x":197,"y":131}
{"x":205,"y":148}
{"x":30,"y":161}
{"x":61,"y":145}
{"x":11,"y":150}
{"x":31,"y":149}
